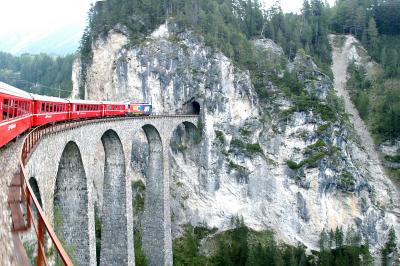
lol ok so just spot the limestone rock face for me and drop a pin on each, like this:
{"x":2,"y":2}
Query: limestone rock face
{"x":291,"y":171}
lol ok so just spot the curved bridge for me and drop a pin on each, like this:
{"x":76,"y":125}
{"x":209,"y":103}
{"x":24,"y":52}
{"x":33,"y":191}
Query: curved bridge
{"x":72,"y":168}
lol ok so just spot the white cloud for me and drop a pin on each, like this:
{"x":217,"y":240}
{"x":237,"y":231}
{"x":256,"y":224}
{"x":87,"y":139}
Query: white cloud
{"x":40,"y":16}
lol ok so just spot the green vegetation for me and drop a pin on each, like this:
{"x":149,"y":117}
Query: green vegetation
{"x":336,"y":248}
{"x":245,"y":132}
{"x":220,"y":136}
{"x":140,"y":258}
{"x":244,"y":246}
{"x":315,"y":153}
{"x":390,"y":248}
{"x":41,"y":74}
{"x":249,"y":148}
{"x":377,"y":101}
{"x":97,"y":228}
{"x":30,"y":249}
{"x":377,"y":25}
{"x":178,"y":146}
{"x":138,"y":188}
{"x":58,"y":227}
{"x":347,"y":179}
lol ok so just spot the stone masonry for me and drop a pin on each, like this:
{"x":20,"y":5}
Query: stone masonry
{"x":65,"y":168}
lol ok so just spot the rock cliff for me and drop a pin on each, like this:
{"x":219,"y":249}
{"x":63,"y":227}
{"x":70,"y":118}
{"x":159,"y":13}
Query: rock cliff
{"x":279,"y":165}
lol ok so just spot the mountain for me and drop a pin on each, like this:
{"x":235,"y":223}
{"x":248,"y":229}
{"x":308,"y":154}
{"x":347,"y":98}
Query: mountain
{"x":276,"y":149}
{"x":59,"y":42}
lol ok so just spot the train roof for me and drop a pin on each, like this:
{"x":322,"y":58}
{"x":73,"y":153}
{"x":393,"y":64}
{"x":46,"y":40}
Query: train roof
{"x":10,"y":90}
{"x":79,"y":101}
{"x":44,"y":98}
{"x":107,"y":102}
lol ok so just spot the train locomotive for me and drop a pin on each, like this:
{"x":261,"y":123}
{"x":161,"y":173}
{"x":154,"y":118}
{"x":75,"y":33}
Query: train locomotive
{"x":21,"y":110}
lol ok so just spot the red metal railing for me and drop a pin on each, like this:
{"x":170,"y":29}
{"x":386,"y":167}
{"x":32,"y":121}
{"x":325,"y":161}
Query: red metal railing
{"x":42,"y":225}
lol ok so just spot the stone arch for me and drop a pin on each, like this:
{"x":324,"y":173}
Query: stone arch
{"x":156,"y":240}
{"x":186,"y":133}
{"x":114,"y":234}
{"x":35,"y":187}
{"x":71,"y":219}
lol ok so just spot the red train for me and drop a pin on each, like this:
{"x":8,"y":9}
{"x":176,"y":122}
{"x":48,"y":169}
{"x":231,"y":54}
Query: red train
{"x":21,"y":110}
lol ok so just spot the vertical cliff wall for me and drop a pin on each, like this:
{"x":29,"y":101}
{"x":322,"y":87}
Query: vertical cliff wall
{"x":290,"y":169}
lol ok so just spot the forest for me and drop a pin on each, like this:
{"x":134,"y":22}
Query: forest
{"x":41,"y":74}
{"x":229,"y":26}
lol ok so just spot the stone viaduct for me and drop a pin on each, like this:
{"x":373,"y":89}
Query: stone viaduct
{"x":64,"y":167}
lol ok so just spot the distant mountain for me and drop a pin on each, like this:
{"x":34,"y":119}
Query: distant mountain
{"x":60,"y":42}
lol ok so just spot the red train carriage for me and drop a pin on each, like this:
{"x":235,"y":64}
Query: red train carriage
{"x":16,"y":112}
{"x":85,"y":109}
{"x":115,"y":109}
{"x":49,"y":109}
{"x":139,"y":109}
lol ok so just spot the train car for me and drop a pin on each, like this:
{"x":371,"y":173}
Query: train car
{"x":135,"y":109}
{"x":16,"y":108}
{"x":115,"y":109}
{"x":80,"y":109}
{"x":49,"y":109}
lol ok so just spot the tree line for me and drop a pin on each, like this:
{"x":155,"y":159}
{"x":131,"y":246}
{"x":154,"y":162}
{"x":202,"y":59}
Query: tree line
{"x":41,"y":74}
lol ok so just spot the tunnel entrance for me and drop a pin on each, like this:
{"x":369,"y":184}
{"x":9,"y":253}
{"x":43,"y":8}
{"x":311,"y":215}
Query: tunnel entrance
{"x":195,"y":108}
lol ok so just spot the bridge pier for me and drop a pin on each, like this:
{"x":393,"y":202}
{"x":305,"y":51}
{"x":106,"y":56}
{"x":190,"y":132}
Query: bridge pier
{"x":114,"y":227}
{"x":156,"y":239}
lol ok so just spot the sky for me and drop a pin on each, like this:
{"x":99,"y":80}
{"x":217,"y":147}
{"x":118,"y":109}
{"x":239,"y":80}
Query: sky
{"x":41,"y":16}
{"x":44,"y":16}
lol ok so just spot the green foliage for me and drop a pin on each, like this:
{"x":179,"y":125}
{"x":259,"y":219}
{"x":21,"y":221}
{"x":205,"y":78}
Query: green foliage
{"x":253,"y":148}
{"x":139,"y":188}
{"x":178,"y":146}
{"x":377,"y":102}
{"x":220,"y":136}
{"x":376,"y":25}
{"x":347,"y":179}
{"x":30,"y":248}
{"x":58,"y":228}
{"x":97,"y":226}
{"x":338,"y":248}
{"x":199,"y":133}
{"x":244,"y":246}
{"x":186,"y":248}
{"x":292,"y":165}
{"x":245,"y":132}
{"x":41,"y":74}
{"x":140,"y":258}
{"x":394,"y":159}
{"x":249,"y":148}
{"x":390,"y":248}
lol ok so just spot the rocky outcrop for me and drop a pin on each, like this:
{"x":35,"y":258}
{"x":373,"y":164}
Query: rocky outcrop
{"x":260,"y":157}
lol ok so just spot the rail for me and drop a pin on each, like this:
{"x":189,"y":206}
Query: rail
{"x":29,"y":144}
